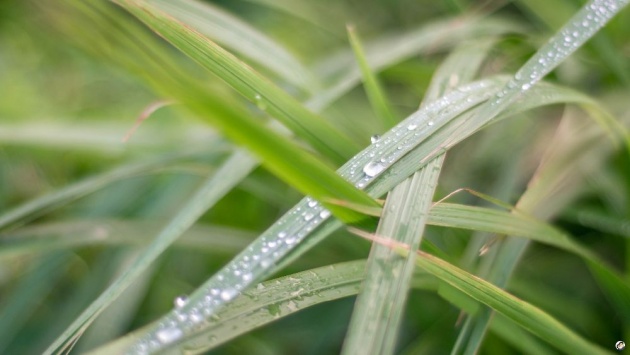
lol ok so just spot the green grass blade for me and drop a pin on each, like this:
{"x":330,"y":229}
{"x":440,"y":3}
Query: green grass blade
{"x":340,"y":69}
{"x":376,"y":318}
{"x":40,"y":205}
{"x":242,"y":38}
{"x":263,"y":304}
{"x":527,"y":316}
{"x":236,"y":167}
{"x":379,"y":307}
{"x":374,"y":91}
{"x":32,"y":288}
{"x":246,"y":81}
{"x":46,"y":237}
{"x":279,"y":154}
{"x":504,"y":223}
{"x":518,"y":338}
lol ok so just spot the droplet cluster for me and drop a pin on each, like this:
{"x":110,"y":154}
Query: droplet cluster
{"x":309,"y":214}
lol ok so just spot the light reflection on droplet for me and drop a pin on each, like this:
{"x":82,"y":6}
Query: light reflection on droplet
{"x":372,"y":169}
{"x":180,"y":301}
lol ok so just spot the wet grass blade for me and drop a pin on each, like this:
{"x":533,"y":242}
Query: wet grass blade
{"x":379,"y":307}
{"x":261,"y":305}
{"x":377,"y":314}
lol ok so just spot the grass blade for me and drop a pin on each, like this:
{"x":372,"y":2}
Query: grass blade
{"x":246,"y":81}
{"x":237,"y":35}
{"x":211,"y":191}
{"x":376,"y":318}
{"x":38,"y":206}
{"x":261,"y":305}
{"x":45,"y":237}
{"x":372,"y":86}
{"x":379,"y":307}
{"x":524,"y":314}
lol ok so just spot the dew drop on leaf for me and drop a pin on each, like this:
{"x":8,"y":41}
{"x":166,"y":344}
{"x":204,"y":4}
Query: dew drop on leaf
{"x":372,"y":169}
{"x":180,"y":301}
{"x":168,"y":335}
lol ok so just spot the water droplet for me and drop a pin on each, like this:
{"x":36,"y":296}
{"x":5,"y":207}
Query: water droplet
{"x":180,"y":301}
{"x":324,"y":214}
{"x":168,"y":335}
{"x":196,"y":316}
{"x":290,"y":240}
{"x":260,"y":102}
{"x":272,"y":244}
{"x":228,"y":294}
{"x":375,"y":138}
{"x":430,"y":123}
{"x":247,"y":277}
{"x":312,"y":203}
{"x":372,"y":169}
{"x":526,"y":86}
{"x":282,"y":235}
{"x":308,"y":216}
{"x":412,"y":126}
{"x":620,"y":345}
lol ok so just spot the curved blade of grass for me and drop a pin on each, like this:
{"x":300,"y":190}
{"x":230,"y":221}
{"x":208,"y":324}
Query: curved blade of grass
{"x":542,"y":200}
{"x":279,"y":154}
{"x":76,"y":233}
{"x":305,"y":124}
{"x":239,"y":36}
{"x":529,"y":317}
{"x":371,"y":84}
{"x":519,"y":224}
{"x":40,"y":205}
{"x":266,"y":303}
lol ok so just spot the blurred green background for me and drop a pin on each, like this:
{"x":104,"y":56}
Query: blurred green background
{"x":64,"y":113}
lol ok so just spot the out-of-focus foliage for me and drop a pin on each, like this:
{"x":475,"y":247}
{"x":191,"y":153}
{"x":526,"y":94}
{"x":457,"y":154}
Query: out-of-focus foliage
{"x":79,"y":204}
